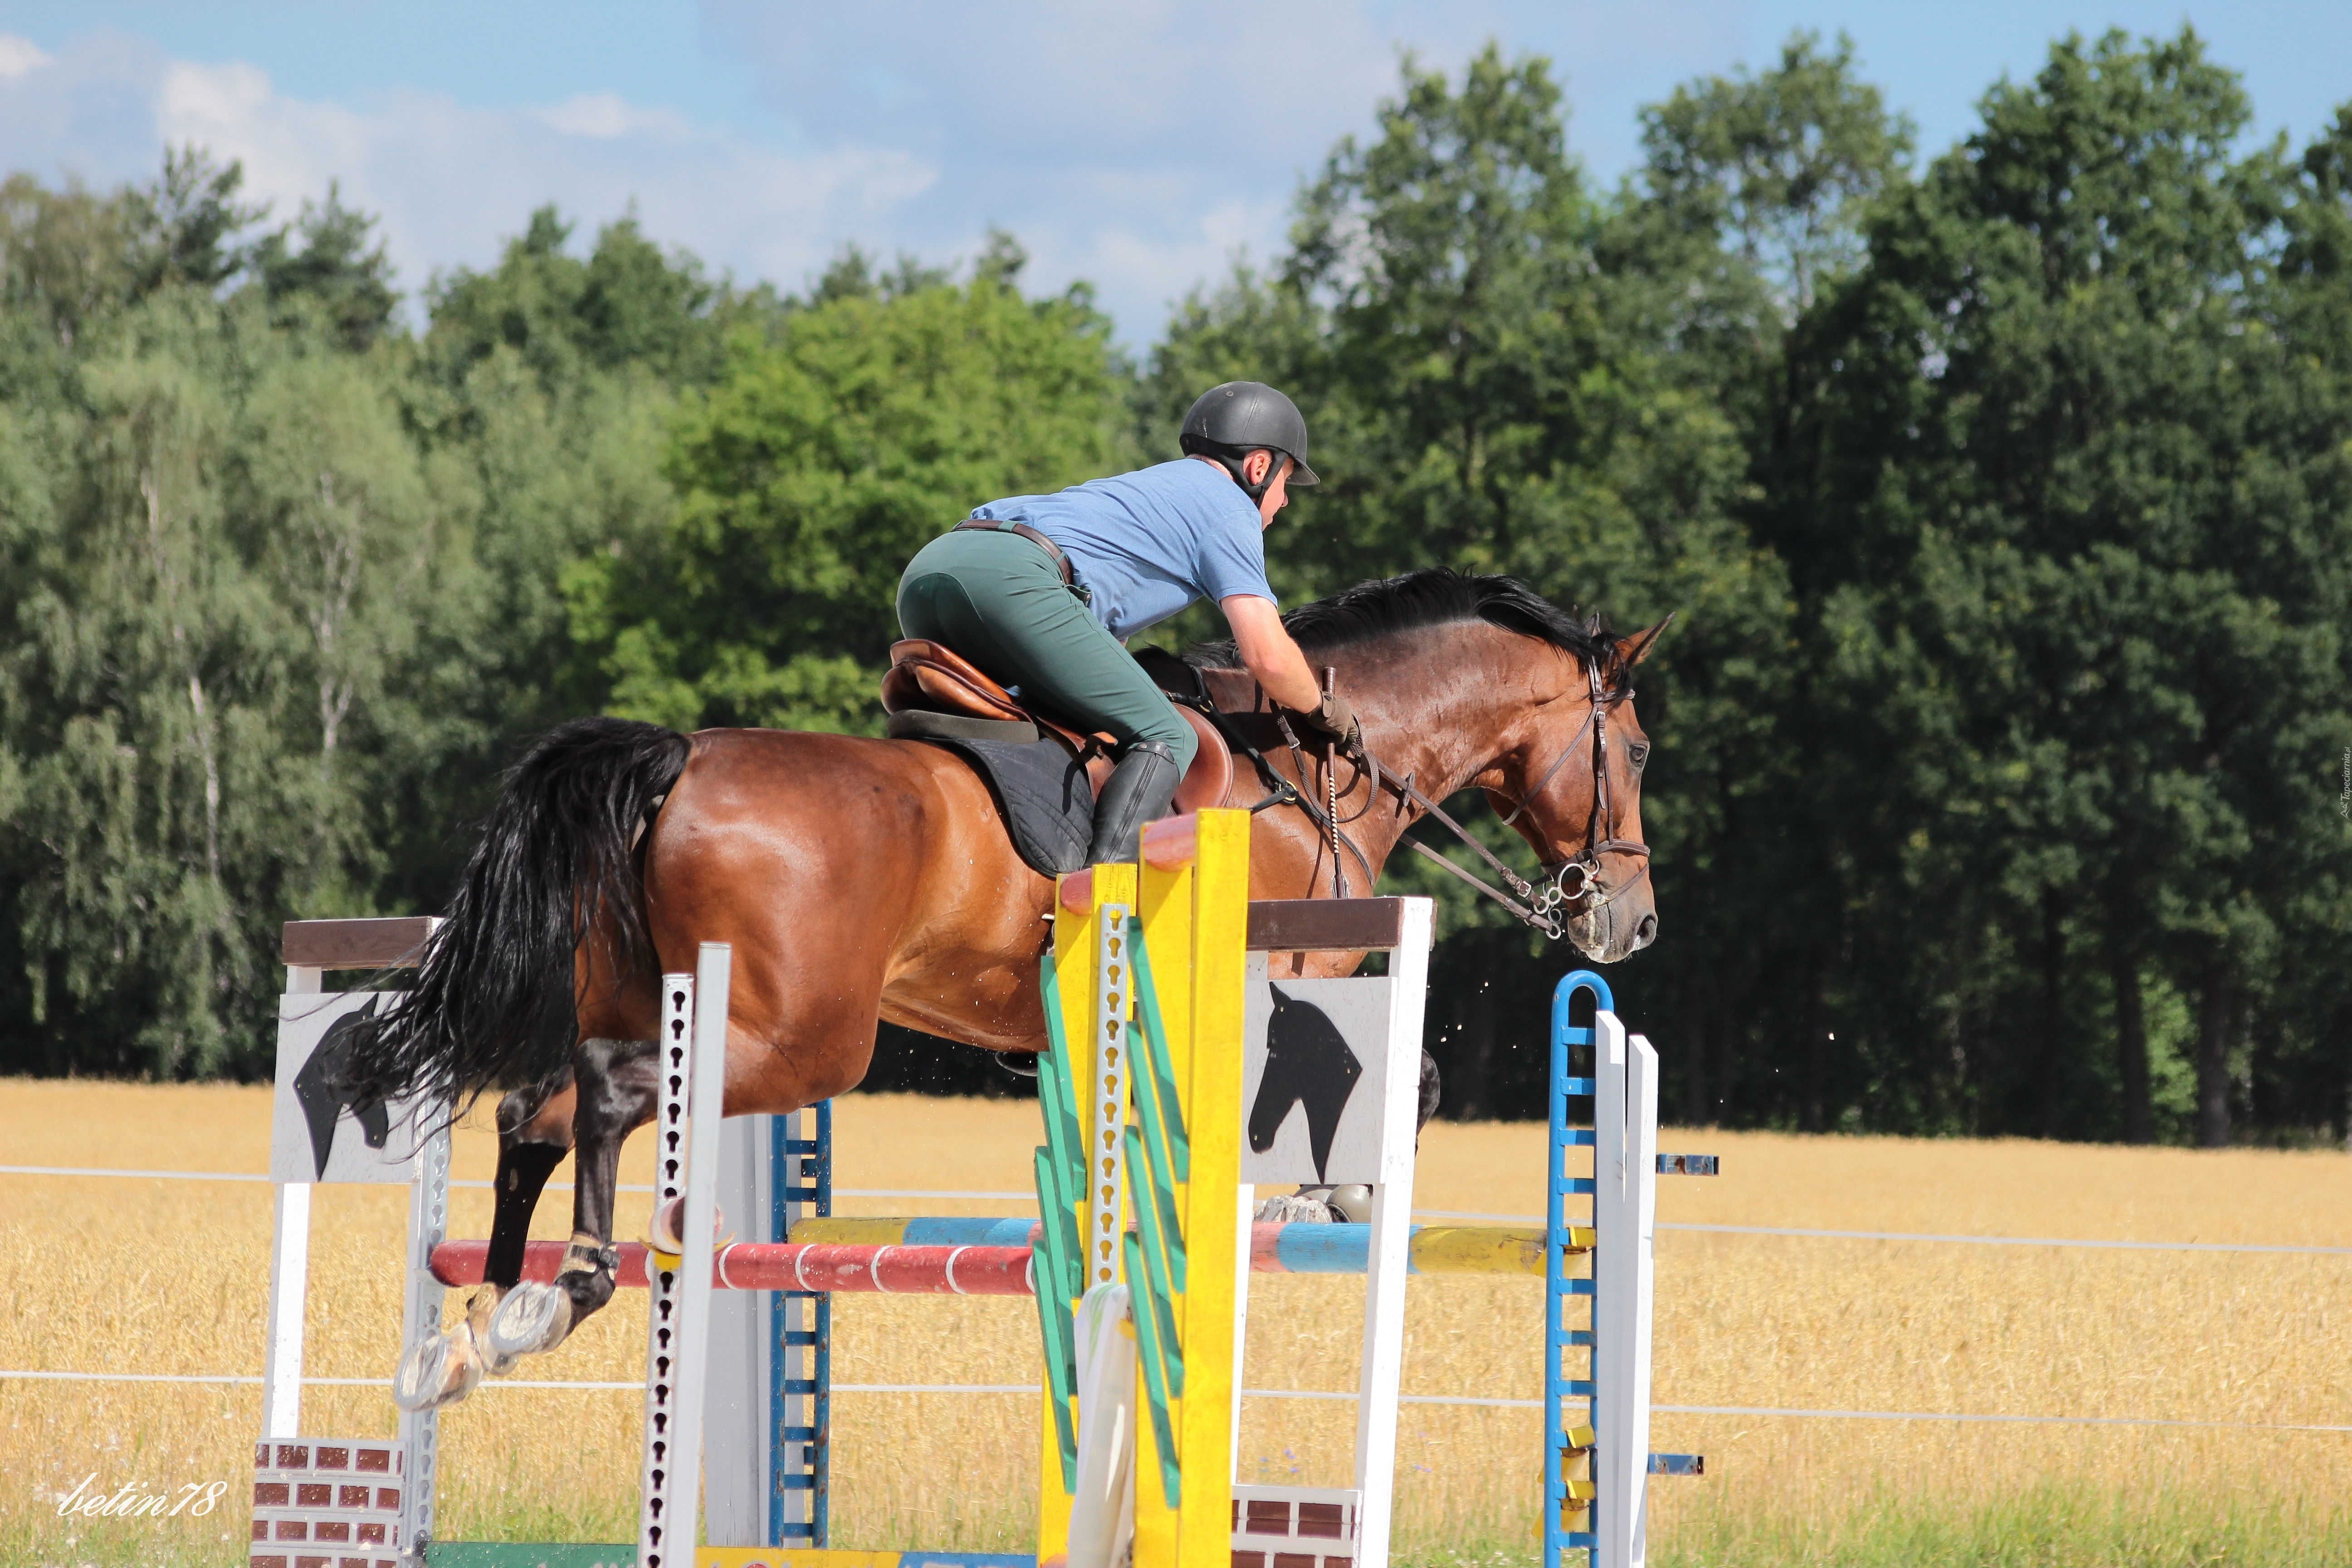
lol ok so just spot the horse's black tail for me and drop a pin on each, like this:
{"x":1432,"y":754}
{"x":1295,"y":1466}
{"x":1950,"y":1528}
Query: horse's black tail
{"x":494,"y":1003}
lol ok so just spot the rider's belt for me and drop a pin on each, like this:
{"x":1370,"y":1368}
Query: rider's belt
{"x":1061,"y":558}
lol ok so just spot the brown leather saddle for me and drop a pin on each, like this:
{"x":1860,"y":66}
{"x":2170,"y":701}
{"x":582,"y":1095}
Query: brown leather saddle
{"x":929,"y":678}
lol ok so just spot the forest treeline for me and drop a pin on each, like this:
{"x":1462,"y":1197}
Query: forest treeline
{"x":2004,"y":493}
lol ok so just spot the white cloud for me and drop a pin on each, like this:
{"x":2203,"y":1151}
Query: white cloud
{"x":19,"y":57}
{"x":86,"y":113}
{"x":1154,"y":270}
{"x":1138,"y":145}
{"x":1125,"y":126}
{"x":1200,"y":82}
{"x":452,"y":181}
{"x":606,"y":116}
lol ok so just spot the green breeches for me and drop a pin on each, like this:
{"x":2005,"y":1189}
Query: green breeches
{"x":998,"y":600}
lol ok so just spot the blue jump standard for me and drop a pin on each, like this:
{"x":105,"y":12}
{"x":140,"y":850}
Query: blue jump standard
{"x":1559,"y":1388}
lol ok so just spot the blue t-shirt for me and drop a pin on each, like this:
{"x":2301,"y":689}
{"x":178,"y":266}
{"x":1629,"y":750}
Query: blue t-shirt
{"x":1148,"y":543}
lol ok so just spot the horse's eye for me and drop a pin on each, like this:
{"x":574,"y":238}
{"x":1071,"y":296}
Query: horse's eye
{"x":1638,"y":753}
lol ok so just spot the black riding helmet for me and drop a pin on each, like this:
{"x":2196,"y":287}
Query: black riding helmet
{"x":1230,"y":421}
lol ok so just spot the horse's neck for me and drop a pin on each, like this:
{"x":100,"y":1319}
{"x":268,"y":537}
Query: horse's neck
{"x":1438,"y":707}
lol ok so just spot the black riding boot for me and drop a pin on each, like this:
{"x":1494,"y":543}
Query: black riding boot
{"x":1138,"y":790}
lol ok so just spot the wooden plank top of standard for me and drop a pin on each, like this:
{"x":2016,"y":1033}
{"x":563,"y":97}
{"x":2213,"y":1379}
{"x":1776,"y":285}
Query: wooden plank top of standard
{"x":1325,"y":925}
{"x":355,"y":944}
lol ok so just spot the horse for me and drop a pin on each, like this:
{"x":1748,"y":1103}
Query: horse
{"x":860,"y":879}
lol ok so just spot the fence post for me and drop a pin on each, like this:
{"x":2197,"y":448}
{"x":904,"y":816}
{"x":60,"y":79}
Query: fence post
{"x":290,"y":1277}
{"x":692,"y":1057}
{"x":1624,"y":1213}
{"x":736,"y":1426}
{"x":420,"y":1430}
{"x":1385,"y":1263}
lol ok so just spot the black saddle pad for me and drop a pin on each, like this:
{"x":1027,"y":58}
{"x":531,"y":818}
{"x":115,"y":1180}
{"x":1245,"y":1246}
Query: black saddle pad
{"x":1042,"y":791}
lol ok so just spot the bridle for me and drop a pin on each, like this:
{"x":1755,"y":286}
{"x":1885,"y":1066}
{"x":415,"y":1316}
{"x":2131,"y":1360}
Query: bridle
{"x":1601,"y":820}
{"x":1537,"y":904}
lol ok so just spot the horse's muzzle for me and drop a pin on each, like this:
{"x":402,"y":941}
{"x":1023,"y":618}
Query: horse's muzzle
{"x":1604,"y":924}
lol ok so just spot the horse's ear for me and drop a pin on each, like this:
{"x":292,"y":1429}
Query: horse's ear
{"x":1633,"y":650}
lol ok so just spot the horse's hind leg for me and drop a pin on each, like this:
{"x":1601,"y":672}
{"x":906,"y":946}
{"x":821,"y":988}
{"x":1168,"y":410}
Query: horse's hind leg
{"x":534,"y":1134}
{"x":617,"y":1086}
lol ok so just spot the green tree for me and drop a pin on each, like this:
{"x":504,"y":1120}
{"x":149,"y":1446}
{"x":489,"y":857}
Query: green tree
{"x":1450,"y":252}
{"x":1748,"y":204}
{"x":629,"y":304}
{"x":336,"y":516}
{"x":542,"y":395}
{"x":227,"y":601}
{"x":529,"y":303}
{"x":182,"y":229}
{"x":2077,"y":597}
{"x":151,"y":803}
{"x":72,"y":257}
{"x":335,"y":273}
{"x":1780,"y":165}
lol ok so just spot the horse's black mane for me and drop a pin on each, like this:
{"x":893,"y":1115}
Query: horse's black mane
{"x":1434,"y":596}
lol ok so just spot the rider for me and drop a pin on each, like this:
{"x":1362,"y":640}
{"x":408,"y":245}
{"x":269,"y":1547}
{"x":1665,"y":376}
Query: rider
{"x":1040,"y":593}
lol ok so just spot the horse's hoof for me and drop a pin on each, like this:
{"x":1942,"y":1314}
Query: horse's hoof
{"x":477,"y":1327}
{"x":533,"y":1319}
{"x":438,"y":1371}
{"x":1297,"y":1209}
{"x":665,"y":1232}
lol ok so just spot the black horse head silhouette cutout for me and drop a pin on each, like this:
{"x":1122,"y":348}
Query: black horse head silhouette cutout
{"x":1307,"y":1062}
{"x":319,"y":1088}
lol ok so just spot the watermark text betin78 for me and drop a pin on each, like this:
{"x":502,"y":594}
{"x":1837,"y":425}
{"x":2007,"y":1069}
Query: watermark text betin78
{"x":133,"y":1500}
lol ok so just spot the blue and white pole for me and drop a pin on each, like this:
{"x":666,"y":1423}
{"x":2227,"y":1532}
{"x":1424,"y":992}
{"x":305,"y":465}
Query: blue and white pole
{"x":1613,"y":1395}
{"x":1570,"y":1417}
{"x":801,"y":1331}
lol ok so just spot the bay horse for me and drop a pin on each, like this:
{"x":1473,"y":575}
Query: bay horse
{"x":861,"y":880}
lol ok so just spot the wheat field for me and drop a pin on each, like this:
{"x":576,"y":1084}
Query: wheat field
{"x":169,"y":1277}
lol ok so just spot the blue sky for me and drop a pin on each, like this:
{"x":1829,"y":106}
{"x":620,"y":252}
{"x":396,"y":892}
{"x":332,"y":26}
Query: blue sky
{"x":1138,"y":145}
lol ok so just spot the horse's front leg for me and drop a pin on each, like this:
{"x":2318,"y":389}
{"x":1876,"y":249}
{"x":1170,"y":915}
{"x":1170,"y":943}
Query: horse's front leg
{"x":616,"y":1084}
{"x":534,"y":1134}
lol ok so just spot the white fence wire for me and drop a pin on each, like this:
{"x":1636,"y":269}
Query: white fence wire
{"x":1768,"y":1412}
{"x":546,"y":1384}
{"x":1031,"y":1198}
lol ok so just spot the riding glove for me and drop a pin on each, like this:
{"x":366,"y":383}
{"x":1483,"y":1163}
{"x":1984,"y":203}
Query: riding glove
{"x":1334,"y":718}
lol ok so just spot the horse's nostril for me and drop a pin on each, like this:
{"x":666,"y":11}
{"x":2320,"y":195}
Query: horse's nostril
{"x":1646,"y":932}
